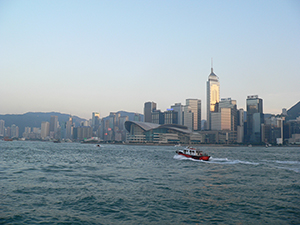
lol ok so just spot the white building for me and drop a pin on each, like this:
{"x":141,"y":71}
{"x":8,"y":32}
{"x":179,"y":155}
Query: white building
{"x":45,"y":129}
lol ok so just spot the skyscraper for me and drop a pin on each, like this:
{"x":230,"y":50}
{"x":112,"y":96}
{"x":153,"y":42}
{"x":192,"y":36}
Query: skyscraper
{"x":255,"y":118}
{"x":45,"y":127}
{"x":95,"y":120}
{"x":213,"y":96}
{"x":2,"y":127}
{"x":53,"y":123}
{"x":195,"y":107}
{"x":179,"y":109}
{"x":149,"y":107}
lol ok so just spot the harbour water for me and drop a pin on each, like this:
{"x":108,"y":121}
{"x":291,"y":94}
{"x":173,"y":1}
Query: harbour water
{"x":72,"y":183}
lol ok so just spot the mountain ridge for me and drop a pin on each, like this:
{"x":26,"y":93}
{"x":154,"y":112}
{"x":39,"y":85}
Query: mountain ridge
{"x":34,"y":119}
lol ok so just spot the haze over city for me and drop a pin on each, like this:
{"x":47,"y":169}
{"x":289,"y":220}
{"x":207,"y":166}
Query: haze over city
{"x":78,"y":57}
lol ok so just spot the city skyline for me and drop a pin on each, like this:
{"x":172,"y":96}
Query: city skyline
{"x":96,"y":56}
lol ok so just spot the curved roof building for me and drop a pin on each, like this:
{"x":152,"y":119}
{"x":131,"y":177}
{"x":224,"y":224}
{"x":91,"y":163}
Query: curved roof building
{"x":151,"y":132}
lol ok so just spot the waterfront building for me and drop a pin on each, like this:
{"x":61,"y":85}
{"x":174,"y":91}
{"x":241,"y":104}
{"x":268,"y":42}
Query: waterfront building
{"x":141,"y":132}
{"x":14,"y":131}
{"x":272,"y":129}
{"x":255,"y":118}
{"x":213,"y":96}
{"x":195,"y":107}
{"x":149,"y":107}
{"x":240,"y":126}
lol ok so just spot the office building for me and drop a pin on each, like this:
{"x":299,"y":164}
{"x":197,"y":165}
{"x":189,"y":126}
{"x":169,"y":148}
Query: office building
{"x":221,"y":120}
{"x":95,"y":121}
{"x":188,"y":117}
{"x":45,"y":130}
{"x":157,"y":117}
{"x":2,"y":127}
{"x":14,"y":131}
{"x":69,"y":128}
{"x":195,"y":107}
{"x":170,"y":117}
{"x":179,"y":109}
{"x":240,"y":126}
{"x":213,"y":96}
{"x":53,"y":124}
{"x":149,"y":107}
{"x":255,"y":118}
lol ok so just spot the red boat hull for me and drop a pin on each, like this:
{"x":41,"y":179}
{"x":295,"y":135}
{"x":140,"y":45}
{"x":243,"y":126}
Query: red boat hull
{"x":202,"y":157}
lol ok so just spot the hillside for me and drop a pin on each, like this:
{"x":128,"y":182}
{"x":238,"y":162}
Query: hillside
{"x":34,"y":119}
{"x":294,"y":111}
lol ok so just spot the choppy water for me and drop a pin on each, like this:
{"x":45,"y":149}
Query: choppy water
{"x":71,"y":183}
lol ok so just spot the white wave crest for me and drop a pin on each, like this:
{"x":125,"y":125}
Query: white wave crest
{"x":288,"y":162}
{"x":217,"y":160}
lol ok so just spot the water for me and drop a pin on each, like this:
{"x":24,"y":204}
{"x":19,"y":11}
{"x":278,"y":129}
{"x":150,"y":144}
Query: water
{"x":72,"y":183}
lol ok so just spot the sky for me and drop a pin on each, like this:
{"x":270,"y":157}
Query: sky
{"x":79,"y":57}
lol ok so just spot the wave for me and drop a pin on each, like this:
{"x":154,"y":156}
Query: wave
{"x":216,"y":160}
{"x":288,"y":162}
{"x":297,"y":170}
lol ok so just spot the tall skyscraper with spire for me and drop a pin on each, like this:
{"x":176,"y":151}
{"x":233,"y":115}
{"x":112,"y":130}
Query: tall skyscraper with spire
{"x":213,"y":96}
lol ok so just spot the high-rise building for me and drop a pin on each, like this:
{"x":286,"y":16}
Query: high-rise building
{"x":188,"y":117}
{"x":255,"y":118}
{"x":229,"y":103}
{"x":2,"y":127}
{"x":170,"y":117}
{"x":69,"y":128}
{"x":14,"y":131}
{"x":53,"y":123}
{"x":179,"y":109}
{"x":195,"y":107}
{"x":45,"y":129}
{"x":157,"y":117}
{"x":240,"y":126}
{"x":149,"y":108}
{"x":221,"y":120}
{"x":95,"y":120}
{"x":213,"y":96}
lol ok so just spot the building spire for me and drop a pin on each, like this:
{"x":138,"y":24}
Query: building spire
{"x":212,"y":70}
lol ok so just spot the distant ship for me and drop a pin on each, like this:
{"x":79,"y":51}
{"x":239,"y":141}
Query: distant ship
{"x":7,"y":139}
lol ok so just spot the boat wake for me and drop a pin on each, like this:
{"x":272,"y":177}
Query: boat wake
{"x":286,"y":165}
{"x":216,"y":160}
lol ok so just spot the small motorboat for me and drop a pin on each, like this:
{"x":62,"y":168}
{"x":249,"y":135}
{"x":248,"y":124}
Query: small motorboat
{"x":193,"y":153}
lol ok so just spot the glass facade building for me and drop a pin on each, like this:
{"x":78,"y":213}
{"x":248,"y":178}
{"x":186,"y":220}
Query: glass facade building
{"x":213,"y":96}
{"x":195,"y":108}
{"x":149,"y":107}
{"x":255,"y":118}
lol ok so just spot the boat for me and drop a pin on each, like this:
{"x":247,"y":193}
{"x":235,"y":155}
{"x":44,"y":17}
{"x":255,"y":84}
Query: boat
{"x":193,"y":153}
{"x":8,"y":139}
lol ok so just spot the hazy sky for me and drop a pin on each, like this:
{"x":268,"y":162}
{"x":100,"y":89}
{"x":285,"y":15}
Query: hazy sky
{"x":82,"y":56}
